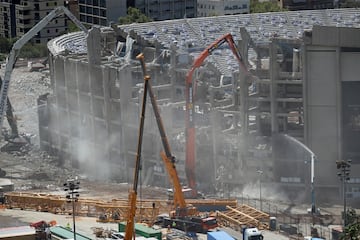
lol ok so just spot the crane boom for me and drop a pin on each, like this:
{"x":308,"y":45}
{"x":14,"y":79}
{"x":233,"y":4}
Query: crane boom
{"x":167,"y":157}
{"x":189,"y":101}
{"x":20,"y":43}
{"x":129,"y":231}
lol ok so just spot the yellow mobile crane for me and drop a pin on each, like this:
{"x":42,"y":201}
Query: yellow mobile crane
{"x":183,"y":214}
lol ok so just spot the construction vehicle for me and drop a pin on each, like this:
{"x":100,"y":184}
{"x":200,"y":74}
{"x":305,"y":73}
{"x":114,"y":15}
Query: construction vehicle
{"x":16,"y":50}
{"x":252,"y":234}
{"x":183,"y":214}
{"x":190,"y":106}
{"x":16,"y":142}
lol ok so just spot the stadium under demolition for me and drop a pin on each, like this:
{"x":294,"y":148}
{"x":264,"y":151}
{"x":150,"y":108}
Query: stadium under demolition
{"x":236,"y":118}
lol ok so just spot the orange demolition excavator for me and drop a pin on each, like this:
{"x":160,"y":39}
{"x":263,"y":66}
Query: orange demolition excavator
{"x":190,"y":106}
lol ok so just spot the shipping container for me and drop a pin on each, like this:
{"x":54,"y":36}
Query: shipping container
{"x":219,"y":235}
{"x":142,"y":230}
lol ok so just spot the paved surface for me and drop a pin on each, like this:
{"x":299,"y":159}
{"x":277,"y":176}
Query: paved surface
{"x":84,"y":225}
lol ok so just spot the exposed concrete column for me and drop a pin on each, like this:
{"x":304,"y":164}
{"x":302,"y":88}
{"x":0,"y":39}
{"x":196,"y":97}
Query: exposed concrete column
{"x":274,"y":71}
{"x":93,"y":46}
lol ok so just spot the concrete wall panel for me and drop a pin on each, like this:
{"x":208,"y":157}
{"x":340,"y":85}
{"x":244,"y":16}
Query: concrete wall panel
{"x":96,"y":81}
{"x":322,"y":77}
{"x":70,"y":74}
{"x":350,"y":67}
{"x":322,"y":113}
{"x":83,"y":77}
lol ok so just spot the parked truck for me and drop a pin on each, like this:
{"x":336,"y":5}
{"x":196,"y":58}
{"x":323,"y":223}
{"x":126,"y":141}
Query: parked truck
{"x":252,"y":234}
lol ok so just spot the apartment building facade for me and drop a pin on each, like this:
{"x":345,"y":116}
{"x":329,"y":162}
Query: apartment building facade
{"x":17,"y":17}
{"x":103,"y":12}
{"x":207,"y":8}
{"x":159,"y":10}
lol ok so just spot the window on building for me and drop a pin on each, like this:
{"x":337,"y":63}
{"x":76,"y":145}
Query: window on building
{"x":96,"y":2}
{"x":82,"y":1}
{"x":102,"y":3}
{"x":88,"y":10}
{"x":244,"y":5}
{"x":89,"y":2}
{"x":82,"y":18}
{"x":56,"y":21}
{"x":89,"y":19}
{"x":55,"y":3}
{"x":96,"y":11}
{"x":56,"y":30}
{"x":102,"y":13}
{"x":96,"y":20}
{"x":48,"y":31}
{"x":36,"y":6}
{"x":37,"y":40}
{"x":47,"y":4}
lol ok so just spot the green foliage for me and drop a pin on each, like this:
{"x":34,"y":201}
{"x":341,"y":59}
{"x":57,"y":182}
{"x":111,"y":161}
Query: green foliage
{"x":5,"y":45}
{"x":261,"y":7}
{"x":349,"y":4}
{"x":72,"y":27}
{"x":134,"y":16}
{"x":352,"y":229}
{"x":31,"y":50}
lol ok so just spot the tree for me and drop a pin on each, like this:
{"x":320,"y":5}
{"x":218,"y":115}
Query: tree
{"x":349,"y":4}
{"x":5,"y":45}
{"x":134,"y":16}
{"x":352,"y":229}
{"x":267,"y":6}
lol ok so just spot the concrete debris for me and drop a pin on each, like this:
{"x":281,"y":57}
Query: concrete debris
{"x":36,"y":67}
{"x":20,"y":144}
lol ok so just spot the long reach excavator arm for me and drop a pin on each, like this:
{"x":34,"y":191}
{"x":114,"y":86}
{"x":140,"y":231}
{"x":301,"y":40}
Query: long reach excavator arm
{"x":189,"y":101}
{"x":20,"y":43}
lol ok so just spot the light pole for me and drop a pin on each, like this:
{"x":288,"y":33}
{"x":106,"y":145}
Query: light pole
{"x":71,"y":187}
{"x":260,"y":172}
{"x":344,"y":172}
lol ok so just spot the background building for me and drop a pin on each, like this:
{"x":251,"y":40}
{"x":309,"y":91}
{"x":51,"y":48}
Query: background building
{"x":101,"y":12}
{"x":222,"y":7}
{"x":19,"y":16}
{"x":294,"y":5}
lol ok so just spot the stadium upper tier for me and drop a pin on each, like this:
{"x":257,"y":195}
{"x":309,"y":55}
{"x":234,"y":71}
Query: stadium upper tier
{"x":194,"y":34}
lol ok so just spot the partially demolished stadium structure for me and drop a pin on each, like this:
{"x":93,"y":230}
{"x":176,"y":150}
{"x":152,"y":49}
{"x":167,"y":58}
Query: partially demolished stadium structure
{"x":299,"y":60}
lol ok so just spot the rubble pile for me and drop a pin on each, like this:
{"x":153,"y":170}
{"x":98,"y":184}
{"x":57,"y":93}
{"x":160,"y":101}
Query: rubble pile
{"x":21,"y":160}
